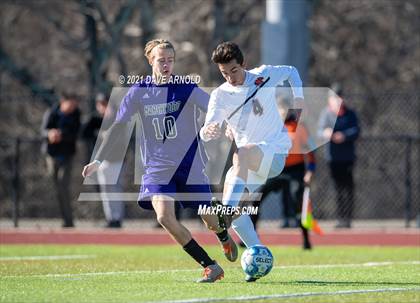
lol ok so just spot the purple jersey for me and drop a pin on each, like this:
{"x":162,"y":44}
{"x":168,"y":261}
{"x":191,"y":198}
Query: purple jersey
{"x":169,"y":115}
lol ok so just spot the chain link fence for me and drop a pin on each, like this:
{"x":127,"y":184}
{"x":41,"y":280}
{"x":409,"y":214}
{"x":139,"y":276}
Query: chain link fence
{"x":387,"y":170}
{"x":386,"y":174}
{"x":386,"y":178}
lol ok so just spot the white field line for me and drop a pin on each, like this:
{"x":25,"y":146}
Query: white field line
{"x":291,"y":295}
{"x":36,"y":258}
{"x":169,"y":271}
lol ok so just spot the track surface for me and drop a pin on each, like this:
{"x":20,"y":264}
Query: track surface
{"x":160,"y":237}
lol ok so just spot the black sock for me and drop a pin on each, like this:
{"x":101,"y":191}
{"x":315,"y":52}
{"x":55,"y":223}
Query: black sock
{"x":223,"y":235}
{"x":198,"y":253}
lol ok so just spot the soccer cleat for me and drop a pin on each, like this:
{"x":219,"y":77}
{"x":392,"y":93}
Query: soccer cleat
{"x":230,"y":249}
{"x":248,"y":278}
{"x":224,"y":220}
{"x":212,"y":273}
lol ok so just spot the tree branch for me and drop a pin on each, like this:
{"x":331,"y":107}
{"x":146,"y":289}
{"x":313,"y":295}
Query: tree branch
{"x":25,"y":78}
{"x":69,"y":41}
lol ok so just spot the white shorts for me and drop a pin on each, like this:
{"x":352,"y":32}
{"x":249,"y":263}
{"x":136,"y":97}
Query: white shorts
{"x":271,"y":165}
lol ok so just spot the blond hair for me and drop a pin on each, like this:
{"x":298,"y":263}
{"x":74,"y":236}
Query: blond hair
{"x":161,"y":43}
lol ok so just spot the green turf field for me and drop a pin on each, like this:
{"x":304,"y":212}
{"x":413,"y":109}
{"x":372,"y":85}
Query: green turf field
{"x":166,"y":273}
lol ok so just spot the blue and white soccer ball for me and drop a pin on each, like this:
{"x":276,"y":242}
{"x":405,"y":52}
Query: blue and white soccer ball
{"x":257,"y":261}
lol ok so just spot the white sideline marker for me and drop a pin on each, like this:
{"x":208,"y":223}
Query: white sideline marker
{"x":292,"y":295}
{"x":134,"y":272}
{"x":36,"y":258}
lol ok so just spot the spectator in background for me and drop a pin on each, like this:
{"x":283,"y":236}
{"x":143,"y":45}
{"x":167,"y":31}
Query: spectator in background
{"x":340,"y":153}
{"x":109,"y":170}
{"x":60,"y":129}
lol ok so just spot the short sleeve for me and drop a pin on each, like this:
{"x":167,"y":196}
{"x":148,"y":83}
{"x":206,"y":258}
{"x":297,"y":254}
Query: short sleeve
{"x":129,"y":105}
{"x":200,"y":98}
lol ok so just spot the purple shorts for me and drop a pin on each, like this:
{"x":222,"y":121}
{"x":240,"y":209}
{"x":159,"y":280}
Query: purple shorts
{"x":190,"y":189}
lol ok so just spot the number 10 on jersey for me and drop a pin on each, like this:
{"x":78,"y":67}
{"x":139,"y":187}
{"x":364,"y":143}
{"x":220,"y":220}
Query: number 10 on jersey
{"x":167,"y":124}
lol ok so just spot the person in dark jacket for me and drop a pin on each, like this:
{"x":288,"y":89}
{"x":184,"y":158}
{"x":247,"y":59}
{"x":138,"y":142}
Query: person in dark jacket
{"x":60,"y":129}
{"x":341,"y":153}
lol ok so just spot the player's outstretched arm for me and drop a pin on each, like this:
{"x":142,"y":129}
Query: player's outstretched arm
{"x":117,"y":130}
{"x":109,"y":142}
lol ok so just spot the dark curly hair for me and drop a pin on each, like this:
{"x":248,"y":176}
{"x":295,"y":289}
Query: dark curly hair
{"x":226,"y":52}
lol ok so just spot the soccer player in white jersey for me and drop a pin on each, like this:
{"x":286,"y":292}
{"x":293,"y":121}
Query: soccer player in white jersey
{"x":256,"y":126}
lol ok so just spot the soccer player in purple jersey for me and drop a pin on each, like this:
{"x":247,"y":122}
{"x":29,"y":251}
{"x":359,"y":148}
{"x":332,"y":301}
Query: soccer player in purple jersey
{"x":173,"y":153}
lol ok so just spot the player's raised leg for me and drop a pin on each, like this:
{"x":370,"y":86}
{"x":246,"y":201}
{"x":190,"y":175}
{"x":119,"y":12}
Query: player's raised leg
{"x":164,"y":207}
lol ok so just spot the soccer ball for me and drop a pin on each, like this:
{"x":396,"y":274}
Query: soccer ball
{"x":257,"y":261}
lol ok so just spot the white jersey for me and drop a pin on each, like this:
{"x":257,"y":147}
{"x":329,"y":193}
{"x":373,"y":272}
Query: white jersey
{"x":248,"y":126}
